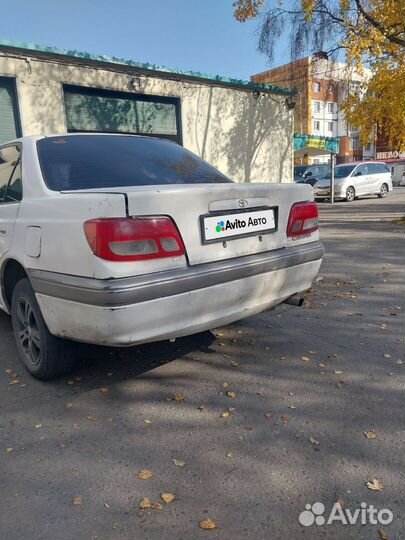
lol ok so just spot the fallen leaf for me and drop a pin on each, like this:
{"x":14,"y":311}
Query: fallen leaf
{"x":145,"y":474}
{"x":268,"y":415}
{"x":285,"y":419}
{"x":231,"y":394}
{"x":375,"y":485}
{"x":106,"y":505}
{"x":203,"y":408}
{"x":225,"y":414}
{"x":14,"y":381}
{"x":207,"y":524}
{"x":341,"y":503}
{"x":103,"y":390}
{"x":144,"y":504}
{"x":370,"y":434}
{"x":167,"y":497}
{"x":77,"y":379}
{"x":70,"y":382}
{"x":77,"y":501}
{"x":338,"y":372}
{"x":225,"y":385}
{"x":248,"y":428}
{"x":314,"y":441}
{"x":37,"y":426}
{"x":147,"y":421}
{"x":234,"y":364}
{"x":321,"y":365}
{"x":305,"y":358}
{"x":68,"y":406}
{"x":91,"y":418}
{"x":179,"y":462}
{"x":382,"y":534}
{"x":400,"y":362}
{"x":156,"y":506}
{"x":292,"y":407}
{"x":229,"y":454}
{"x":176,"y":397}
{"x":109,"y":419}
{"x":9,"y":450}
{"x":386,"y":355}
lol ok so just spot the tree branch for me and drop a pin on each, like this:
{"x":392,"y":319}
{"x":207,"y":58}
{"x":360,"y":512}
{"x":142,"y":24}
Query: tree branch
{"x":391,"y":37}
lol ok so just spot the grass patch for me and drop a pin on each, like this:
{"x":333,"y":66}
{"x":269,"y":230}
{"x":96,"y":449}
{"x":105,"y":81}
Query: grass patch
{"x":400,"y":221}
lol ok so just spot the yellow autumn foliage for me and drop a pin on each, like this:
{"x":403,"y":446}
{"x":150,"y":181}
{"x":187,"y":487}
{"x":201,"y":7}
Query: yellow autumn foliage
{"x":372,"y":32}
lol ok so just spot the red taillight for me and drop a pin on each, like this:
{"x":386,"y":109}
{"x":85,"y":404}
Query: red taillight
{"x":303,"y":219}
{"x":133,"y":239}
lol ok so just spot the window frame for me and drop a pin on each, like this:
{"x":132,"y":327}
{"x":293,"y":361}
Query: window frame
{"x":138,"y":96}
{"x":18,"y":164}
{"x":16,"y":107}
{"x":319,"y":125}
{"x":317,"y":87}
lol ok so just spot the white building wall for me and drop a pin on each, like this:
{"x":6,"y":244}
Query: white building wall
{"x":248,"y":140}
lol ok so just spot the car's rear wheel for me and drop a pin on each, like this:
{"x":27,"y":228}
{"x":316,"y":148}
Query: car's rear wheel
{"x":383,"y":191}
{"x":43,"y":355}
{"x":350,"y":194}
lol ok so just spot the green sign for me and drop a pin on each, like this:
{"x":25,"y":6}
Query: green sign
{"x":329,"y":144}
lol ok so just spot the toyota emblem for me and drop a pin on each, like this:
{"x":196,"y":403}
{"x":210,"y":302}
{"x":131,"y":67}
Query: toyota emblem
{"x":243,"y":203}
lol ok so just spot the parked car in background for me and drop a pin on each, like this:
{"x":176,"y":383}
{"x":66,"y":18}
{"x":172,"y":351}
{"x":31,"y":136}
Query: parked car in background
{"x":398,"y":173}
{"x":118,"y":240}
{"x":310,"y":174}
{"x":356,"y":180}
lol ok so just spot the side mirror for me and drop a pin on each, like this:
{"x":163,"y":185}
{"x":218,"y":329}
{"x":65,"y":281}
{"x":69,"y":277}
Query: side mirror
{"x":358,"y":173}
{"x":309,"y":173}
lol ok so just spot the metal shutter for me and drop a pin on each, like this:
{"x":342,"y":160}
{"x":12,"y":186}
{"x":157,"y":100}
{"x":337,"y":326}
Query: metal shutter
{"x":94,"y":110}
{"x":9,"y":121}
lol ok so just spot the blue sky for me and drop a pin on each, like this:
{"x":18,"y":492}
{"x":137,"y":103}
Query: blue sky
{"x":199,"y":35}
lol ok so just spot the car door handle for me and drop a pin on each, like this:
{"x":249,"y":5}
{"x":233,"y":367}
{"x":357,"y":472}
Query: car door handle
{"x":3,"y":232}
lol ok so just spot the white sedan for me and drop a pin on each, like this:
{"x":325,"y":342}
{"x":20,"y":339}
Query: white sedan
{"x":119,"y":240}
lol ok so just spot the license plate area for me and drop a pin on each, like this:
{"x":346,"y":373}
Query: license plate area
{"x":221,"y":226}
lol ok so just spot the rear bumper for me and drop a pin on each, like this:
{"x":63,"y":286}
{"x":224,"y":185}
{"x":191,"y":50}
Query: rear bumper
{"x":175,"y":303}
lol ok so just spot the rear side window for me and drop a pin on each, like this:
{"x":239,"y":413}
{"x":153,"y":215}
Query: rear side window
{"x":107,"y":161}
{"x":10,"y":174}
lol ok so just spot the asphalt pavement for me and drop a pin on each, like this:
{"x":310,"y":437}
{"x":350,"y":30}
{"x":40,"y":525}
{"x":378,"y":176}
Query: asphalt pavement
{"x":245,"y":426}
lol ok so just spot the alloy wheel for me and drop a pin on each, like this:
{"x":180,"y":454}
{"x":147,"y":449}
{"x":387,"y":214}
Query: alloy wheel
{"x":28,"y":332}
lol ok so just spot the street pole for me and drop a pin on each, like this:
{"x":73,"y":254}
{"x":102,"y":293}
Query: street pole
{"x":332,"y":178}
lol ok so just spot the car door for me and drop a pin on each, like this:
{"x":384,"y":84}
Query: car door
{"x":376,"y":175}
{"x":361,"y":180}
{"x":10,"y":195}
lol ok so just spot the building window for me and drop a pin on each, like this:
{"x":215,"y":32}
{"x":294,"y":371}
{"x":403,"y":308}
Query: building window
{"x":331,"y":107}
{"x":317,"y":106}
{"x":367,"y":147}
{"x":330,"y":127}
{"x":331,"y":89}
{"x":354,"y":143}
{"x":97,"y":110}
{"x":317,"y":125}
{"x":317,"y":87}
{"x":9,"y":118}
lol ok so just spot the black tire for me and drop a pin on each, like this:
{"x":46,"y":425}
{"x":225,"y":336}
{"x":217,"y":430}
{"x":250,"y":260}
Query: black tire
{"x":350,"y":194}
{"x":44,"y":356}
{"x":383,"y":191}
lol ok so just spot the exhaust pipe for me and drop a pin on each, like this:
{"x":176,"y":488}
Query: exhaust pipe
{"x":295,"y":300}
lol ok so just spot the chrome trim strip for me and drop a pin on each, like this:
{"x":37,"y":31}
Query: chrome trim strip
{"x":132,"y":290}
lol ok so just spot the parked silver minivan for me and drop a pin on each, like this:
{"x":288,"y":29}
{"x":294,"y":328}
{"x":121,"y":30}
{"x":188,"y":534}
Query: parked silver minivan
{"x":356,"y":179}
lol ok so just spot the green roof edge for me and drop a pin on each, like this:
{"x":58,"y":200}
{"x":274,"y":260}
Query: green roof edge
{"x":147,"y":67}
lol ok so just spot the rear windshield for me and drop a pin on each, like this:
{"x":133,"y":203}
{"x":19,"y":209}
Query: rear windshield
{"x":107,"y":161}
